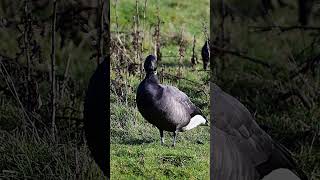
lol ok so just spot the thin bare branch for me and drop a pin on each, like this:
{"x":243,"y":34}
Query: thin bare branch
{"x":53,"y":74}
{"x":238,"y":54}
{"x":283,"y":28}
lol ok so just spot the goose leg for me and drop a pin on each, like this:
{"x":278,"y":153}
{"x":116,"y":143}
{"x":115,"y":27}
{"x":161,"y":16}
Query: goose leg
{"x":174,"y":138}
{"x":161,"y":137}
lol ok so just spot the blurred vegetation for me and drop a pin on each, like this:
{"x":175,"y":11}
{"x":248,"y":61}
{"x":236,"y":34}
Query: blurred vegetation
{"x":28,"y":148}
{"x":271,"y":64}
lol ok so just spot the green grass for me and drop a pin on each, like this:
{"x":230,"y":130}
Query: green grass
{"x":136,"y":152}
{"x":152,"y":161}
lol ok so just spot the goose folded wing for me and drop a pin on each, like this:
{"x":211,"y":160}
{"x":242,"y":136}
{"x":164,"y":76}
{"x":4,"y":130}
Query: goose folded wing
{"x":183,"y":99}
{"x":235,"y":125}
{"x":232,"y":118}
{"x":227,"y":161}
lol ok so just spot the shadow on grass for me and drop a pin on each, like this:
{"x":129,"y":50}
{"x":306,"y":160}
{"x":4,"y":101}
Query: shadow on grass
{"x":136,"y":141}
{"x":176,"y":160}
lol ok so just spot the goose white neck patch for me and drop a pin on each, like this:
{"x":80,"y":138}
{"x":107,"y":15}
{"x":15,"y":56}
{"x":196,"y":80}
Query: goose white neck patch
{"x":194,"y":122}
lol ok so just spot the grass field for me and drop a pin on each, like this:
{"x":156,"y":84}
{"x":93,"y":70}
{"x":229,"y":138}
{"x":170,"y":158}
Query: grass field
{"x":289,"y":107}
{"x":136,"y":152}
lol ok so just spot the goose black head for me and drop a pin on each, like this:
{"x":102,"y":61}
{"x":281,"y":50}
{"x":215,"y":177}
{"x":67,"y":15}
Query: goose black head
{"x":150,"y":64}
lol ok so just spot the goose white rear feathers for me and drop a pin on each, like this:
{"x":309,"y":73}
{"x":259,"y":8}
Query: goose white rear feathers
{"x":280,"y":174}
{"x":166,"y":107}
{"x":194,"y":122}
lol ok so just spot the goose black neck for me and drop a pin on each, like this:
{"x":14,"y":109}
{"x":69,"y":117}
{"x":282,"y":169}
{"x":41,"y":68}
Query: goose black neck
{"x":152,"y":76}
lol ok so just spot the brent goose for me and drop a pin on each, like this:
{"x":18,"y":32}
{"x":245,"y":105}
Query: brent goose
{"x":166,"y":107}
{"x":240,"y":149}
{"x":205,"y":53}
{"x":96,"y":121}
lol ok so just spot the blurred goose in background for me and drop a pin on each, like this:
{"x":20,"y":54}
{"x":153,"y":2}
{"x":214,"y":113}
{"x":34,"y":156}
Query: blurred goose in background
{"x":205,"y":53}
{"x":166,"y":107}
{"x":240,"y":149}
{"x":96,"y":120}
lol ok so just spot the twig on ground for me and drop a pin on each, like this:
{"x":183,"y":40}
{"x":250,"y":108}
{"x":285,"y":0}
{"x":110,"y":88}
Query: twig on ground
{"x":283,"y":28}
